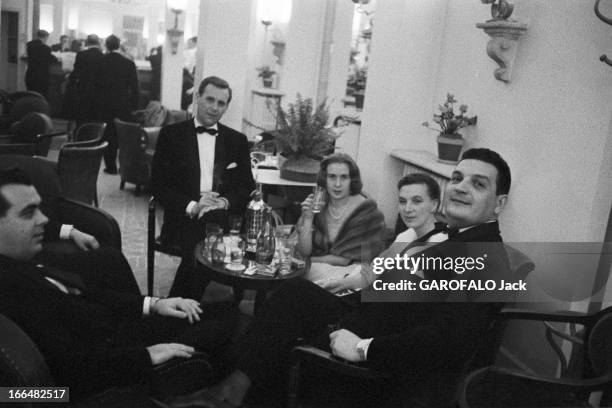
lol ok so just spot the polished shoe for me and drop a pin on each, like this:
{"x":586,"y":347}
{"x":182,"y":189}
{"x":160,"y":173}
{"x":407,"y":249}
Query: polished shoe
{"x":111,"y":171}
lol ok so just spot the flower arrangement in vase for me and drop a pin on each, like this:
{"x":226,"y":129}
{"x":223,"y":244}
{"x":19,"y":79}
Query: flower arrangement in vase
{"x":450,"y":142}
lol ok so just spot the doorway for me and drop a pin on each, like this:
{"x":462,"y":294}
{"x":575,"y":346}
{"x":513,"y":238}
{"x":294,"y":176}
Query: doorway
{"x":9,"y":29}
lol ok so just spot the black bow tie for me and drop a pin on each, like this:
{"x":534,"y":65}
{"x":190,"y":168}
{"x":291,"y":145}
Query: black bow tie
{"x":204,"y":129}
{"x":442,"y":227}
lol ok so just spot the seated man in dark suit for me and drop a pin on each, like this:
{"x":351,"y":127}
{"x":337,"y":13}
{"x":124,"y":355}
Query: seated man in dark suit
{"x":91,"y":338}
{"x":201,"y":171}
{"x":423,"y":343}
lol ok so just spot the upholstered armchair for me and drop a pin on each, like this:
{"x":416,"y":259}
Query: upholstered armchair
{"x":134,"y":162}
{"x":306,"y":357}
{"x":501,"y":387}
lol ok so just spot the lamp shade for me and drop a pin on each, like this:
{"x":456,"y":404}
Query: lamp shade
{"x":177,"y":4}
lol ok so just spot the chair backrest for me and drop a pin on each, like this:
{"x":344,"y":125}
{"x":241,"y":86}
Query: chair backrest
{"x":30,"y":126}
{"x":26,"y":102}
{"x":42,"y":172}
{"x":89,"y":132}
{"x":78,"y":169}
{"x":520,"y":266}
{"x":133,"y":163}
{"x":21,"y":363}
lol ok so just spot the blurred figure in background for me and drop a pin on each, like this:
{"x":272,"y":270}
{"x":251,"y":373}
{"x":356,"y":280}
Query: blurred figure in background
{"x":63,"y":45}
{"x":82,"y":80}
{"x":116,"y":95}
{"x":39,"y":59}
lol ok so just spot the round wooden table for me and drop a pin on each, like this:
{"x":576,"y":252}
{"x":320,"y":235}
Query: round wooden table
{"x":239,"y":281}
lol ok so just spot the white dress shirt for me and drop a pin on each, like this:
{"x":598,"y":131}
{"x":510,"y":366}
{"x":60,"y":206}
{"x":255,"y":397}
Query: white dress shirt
{"x":206,"y":154}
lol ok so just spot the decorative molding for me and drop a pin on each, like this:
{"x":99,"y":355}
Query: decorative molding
{"x":503,"y":44}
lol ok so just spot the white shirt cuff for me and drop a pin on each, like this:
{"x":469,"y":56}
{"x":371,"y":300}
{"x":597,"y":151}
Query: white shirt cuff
{"x":189,"y":209}
{"x":65,"y":231}
{"x":365,"y":344}
{"x":147,"y":304}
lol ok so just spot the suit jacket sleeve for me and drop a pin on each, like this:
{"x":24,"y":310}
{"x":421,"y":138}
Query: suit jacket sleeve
{"x":133,"y":81}
{"x":453,"y":331}
{"x":166,"y":175}
{"x":84,"y":365}
{"x":450,"y":336}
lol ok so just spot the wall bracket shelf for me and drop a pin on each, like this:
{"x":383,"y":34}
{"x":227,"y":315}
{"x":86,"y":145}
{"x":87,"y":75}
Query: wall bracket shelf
{"x":503,"y":44}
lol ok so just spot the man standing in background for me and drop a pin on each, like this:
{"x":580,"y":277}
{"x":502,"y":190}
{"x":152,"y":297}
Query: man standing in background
{"x":117,"y":95}
{"x":39,"y":59}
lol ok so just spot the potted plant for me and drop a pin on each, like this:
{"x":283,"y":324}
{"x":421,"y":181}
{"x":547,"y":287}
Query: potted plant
{"x":303,"y":137}
{"x":450,"y":142}
{"x":266,"y":73}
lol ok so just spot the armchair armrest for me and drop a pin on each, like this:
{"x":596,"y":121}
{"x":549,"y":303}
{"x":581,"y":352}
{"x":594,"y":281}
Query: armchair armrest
{"x":43,"y":142}
{"x":181,"y":376}
{"x":91,"y":220}
{"x":492,"y":386}
{"x":325,"y":359}
{"x":557,"y":316}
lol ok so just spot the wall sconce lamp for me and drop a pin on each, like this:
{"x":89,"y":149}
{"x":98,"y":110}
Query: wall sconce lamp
{"x":505,"y":34}
{"x":175,"y":35}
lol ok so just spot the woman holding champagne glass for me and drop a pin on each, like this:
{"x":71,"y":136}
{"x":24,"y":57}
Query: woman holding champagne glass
{"x":343,"y":228}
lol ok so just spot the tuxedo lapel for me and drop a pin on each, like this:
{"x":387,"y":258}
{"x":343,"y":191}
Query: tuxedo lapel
{"x":192,"y":153}
{"x":220,"y":152}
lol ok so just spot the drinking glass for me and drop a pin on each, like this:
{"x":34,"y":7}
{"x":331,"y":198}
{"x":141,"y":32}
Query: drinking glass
{"x":285,"y":256}
{"x":212,"y":233}
{"x":237,"y":247}
{"x":219,"y":249}
{"x":235,"y":224}
{"x":318,"y":200}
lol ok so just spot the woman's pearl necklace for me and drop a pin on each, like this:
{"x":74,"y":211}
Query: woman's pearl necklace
{"x":337,"y":216}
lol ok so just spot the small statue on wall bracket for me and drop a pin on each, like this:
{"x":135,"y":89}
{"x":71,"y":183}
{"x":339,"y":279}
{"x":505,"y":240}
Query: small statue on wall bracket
{"x":500,"y":9}
{"x":504,"y":33}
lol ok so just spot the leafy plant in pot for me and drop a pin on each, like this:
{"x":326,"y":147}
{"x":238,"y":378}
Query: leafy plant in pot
{"x":266,"y":73}
{"x":450,"y":142}
{"x":303,"y":138}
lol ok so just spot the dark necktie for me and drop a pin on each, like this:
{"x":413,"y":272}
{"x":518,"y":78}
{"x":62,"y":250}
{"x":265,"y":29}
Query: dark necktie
{"x":204,"y":129}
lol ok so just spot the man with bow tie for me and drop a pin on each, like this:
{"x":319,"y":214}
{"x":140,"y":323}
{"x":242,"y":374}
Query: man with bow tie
{"x":201,"y":172}
{"x":91,"y":338}
{"x":423,"y":342}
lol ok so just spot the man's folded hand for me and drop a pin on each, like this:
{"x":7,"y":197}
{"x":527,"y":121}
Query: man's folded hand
{"x":179,"y":308}
{"x":160,"y":353}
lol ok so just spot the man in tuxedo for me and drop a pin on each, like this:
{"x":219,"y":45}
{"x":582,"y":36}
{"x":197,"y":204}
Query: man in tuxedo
{"x":91,"y":338}
{"x":83,"y":78}
{"x":423,"y":344}
{"x":116,"y":95}
{"x":39,"y":58}
{"x":201,"y":172}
